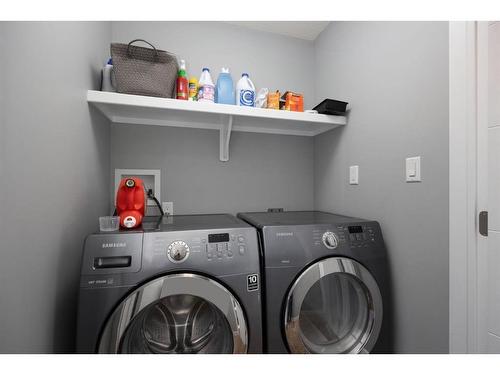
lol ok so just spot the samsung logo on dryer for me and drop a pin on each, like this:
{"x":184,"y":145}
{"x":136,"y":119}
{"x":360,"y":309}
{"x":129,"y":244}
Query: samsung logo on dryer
{"x":113,"y":244}
{"x":284,"y":234}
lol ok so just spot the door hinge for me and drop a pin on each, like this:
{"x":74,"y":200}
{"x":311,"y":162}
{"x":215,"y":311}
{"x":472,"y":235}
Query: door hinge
{"x":483,"y":223}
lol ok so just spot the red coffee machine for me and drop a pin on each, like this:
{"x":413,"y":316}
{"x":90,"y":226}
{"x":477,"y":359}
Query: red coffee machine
{"x":131,"y":202}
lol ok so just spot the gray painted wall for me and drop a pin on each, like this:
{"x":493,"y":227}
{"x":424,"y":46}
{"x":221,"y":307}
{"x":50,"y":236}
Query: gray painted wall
{"x":55,"y":165}
{"x":263,"y":170}
{"x":395,"y":75}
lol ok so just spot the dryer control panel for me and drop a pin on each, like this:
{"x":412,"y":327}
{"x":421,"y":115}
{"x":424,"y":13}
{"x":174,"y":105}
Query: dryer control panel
{"x":296,"y":245}
{"x":356,"y":236}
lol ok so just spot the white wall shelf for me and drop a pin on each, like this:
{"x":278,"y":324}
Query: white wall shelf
{"x":145,"y":110}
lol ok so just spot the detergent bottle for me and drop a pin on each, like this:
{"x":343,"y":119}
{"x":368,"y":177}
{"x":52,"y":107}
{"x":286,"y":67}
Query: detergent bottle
{"x":245,"y":91}
{"x":206,"y":87}
{"x":131,"y":202}
{"x":107,"y":80}
{"x":224,"y":91}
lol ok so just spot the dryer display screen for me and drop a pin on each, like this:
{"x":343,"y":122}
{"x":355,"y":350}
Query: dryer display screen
{"x":356,"y":229}
{"x":219,"y":237}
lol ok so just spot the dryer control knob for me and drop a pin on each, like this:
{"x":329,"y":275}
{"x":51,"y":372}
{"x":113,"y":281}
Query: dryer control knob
{"x":330,"y":240}
{"x":178,"y":251}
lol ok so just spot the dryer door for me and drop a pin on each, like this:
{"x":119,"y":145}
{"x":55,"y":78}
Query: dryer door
{"x":334,"y":306}
{"x":181,"y":313}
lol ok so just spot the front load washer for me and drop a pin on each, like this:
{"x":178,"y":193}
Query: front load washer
{"x":184,"y":284}
{"x":325,"y":283}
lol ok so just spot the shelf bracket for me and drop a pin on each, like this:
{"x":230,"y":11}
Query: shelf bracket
{"x":225,"y":137}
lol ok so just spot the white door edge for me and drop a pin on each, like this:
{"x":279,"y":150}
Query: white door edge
{"x":480,"y":304}
{"x":468,"y":179}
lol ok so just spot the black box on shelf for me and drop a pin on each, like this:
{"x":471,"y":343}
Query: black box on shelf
{"x":331,"y":107}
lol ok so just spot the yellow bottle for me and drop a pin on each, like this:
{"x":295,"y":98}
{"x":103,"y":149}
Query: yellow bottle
{"x":193,"y":89}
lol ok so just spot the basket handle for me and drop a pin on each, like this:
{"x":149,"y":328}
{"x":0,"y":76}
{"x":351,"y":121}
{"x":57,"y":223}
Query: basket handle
{"x":144,"y":41}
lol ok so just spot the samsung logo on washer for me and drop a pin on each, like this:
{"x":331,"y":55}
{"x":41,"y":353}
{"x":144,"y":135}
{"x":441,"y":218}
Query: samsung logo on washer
{"x":114,"y":244}
{"x":284,"y":234}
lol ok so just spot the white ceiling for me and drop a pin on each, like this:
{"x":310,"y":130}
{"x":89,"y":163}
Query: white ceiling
{"x":307,"y":30}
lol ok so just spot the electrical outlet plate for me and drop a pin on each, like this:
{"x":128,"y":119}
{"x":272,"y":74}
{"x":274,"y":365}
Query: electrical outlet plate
{"x":168,"y":208}
{"x":150,"y":177}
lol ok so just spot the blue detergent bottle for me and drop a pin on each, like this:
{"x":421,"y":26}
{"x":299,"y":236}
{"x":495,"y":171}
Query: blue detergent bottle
{"x":224,"y":91}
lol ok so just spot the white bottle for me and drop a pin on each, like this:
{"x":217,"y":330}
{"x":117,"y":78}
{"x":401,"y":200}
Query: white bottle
{"x":245,"y":91}
{"x":206,"y":87}
{"x":107,"y":80}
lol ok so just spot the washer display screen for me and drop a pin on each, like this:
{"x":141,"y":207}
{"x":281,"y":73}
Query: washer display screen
{"x":356,"y":229}
{"x":219,"y":237}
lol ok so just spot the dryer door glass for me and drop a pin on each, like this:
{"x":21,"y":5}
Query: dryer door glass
{"x":175,"y":314}
{"x":334,"y":306}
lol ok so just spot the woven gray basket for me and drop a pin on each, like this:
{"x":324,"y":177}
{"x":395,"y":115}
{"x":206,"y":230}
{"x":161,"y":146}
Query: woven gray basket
{"x":144,"y":71}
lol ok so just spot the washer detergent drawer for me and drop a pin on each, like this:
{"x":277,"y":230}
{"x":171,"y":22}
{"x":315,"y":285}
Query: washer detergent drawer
{"x":112,"y":262}
{"x":112,"y":253}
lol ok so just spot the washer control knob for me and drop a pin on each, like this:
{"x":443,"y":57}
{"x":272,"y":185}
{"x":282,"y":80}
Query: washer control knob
{"x":330,"y":240}
{"x":178,"y":251}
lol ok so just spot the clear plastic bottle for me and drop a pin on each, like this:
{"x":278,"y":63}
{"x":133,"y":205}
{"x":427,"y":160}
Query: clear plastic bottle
{"x":245,"y":91}
{"x":206,"y":87}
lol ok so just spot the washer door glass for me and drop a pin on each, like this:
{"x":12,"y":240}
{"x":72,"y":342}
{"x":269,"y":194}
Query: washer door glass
{"x":175,"y":314}
{"x":334,"y":306}
{"x":179,"y":324}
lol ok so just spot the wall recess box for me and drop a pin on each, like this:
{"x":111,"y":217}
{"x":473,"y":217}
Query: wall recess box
{"x":151,"y":178}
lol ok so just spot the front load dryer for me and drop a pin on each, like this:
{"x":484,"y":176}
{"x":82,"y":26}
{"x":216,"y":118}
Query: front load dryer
{"x":325,"y":283}
{"x":187,"y":284}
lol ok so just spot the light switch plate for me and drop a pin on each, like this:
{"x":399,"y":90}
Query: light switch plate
{"x":354,"y":175}
{"x":413,"y":173}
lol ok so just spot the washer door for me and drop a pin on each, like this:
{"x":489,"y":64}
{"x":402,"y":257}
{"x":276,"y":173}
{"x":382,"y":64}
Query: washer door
{"x":181,"y":313}
{"x":334,"y":306}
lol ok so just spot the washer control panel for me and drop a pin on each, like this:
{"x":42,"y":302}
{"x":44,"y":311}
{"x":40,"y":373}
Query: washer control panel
{"x":224,"y":245}
{"x":220,"y":251}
